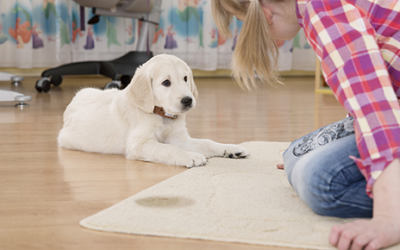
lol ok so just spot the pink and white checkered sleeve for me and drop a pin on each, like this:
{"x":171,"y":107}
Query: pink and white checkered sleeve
{"x":354,"y":68}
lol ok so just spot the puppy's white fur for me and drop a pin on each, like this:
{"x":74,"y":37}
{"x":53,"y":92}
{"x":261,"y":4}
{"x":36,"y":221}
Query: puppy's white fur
{"x":122,"y":121}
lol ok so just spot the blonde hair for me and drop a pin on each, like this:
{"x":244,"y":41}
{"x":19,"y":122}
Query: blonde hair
{"x":256,"y":52}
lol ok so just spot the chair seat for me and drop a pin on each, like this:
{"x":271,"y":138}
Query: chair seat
{"x":133,"y":6}
{"x":103,"y":4}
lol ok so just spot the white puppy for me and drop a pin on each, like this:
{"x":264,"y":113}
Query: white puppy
{"x":145,"y":121}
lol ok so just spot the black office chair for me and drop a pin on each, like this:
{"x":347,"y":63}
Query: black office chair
{"x":122,"y":69}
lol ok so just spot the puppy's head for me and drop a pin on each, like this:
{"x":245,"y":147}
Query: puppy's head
{"x":165,"y":81}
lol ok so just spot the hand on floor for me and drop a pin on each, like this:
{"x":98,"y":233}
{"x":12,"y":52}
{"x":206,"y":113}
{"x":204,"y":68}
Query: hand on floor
{"x":280,"y":166}
{"x":376,"y":233}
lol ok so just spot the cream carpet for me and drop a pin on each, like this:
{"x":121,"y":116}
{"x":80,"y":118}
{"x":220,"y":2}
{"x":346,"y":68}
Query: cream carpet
{"x":246,"y":201}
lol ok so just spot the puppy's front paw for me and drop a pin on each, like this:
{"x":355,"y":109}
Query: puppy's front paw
{"x":192,"y":159}
{"x":235,"y":152}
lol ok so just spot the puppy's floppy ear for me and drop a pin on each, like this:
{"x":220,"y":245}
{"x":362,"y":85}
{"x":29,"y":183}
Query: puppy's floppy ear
{"x":193,"y":87}
{"x":140,"y":91}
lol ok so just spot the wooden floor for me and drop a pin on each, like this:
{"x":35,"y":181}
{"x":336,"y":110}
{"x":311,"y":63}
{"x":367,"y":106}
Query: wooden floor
{"x":45,"y":191}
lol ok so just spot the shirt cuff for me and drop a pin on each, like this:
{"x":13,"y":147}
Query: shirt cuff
{"x":372,"y":169}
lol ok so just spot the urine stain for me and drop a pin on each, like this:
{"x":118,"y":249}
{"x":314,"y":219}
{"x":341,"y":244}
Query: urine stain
{"x":165,"y":201}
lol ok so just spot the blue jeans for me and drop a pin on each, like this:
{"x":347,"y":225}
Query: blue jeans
{"x":319,"y":169}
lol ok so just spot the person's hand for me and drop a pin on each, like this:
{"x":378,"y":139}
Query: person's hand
{"x":280,"y":166}
{"x":376,"y":233}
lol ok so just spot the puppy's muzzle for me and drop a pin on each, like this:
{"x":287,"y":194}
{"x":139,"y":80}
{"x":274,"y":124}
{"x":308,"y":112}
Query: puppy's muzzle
{"x":187,"y":102}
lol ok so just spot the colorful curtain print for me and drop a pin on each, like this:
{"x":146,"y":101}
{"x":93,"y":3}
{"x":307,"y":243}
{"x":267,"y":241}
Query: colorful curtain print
{"x":48,"y":33}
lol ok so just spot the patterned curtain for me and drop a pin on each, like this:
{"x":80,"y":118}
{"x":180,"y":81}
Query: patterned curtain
{"x":48,"y":33}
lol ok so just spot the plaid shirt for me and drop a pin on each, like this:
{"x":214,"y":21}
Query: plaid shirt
{"x":358,"y":43}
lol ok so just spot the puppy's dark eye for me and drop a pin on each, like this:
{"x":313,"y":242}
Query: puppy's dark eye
{"x":166,"y":83}
{"x":185,"y":78}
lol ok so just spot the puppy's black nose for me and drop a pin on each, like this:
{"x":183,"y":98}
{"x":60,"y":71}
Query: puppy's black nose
{"x":187,"y":101}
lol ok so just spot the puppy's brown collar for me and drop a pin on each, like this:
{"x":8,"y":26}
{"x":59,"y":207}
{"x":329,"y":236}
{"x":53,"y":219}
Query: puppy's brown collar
{"x":160,"y":111}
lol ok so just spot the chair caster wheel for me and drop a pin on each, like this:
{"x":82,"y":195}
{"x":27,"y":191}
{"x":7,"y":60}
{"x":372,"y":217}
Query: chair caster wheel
{"x":43,"y":85}
{"x":56,"y":80}
{"x":112,"y":85}
{"x":126,"y":79}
